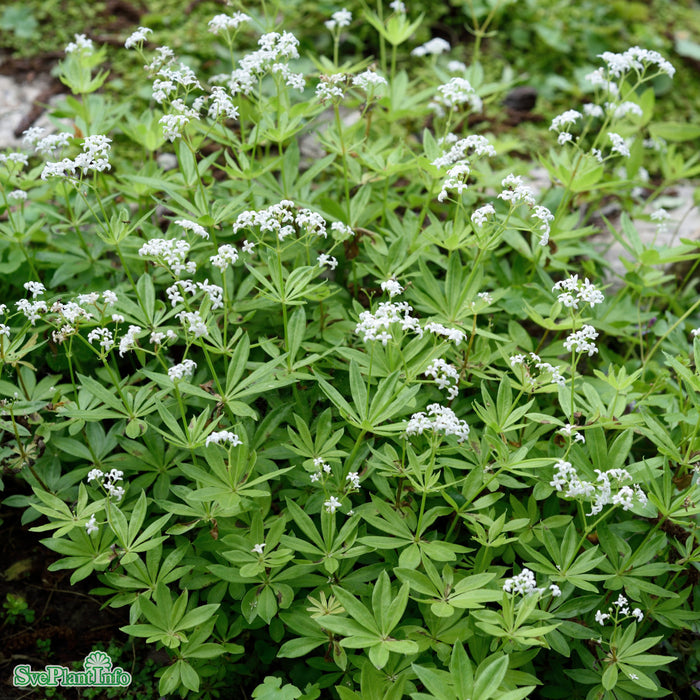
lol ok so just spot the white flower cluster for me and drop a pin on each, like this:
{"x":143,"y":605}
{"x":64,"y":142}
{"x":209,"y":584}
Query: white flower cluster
{"x":479,"y":145}
{"x":36,"y":288}
{"x":392,"y":287}
{"x":635,"y":59}
{"x":434,"y":47}
{"x":619,"y":145}
{"x":327,"y":260}
{"x":369,"y":81}
{"x":622,"y":606}
{"x":480,"y":215}
{"x":171,"y":253}
{"x":17,"y":195}
{"x":453,"y":334}
{"x":567,"y":481}
{"x":582,"y":340}
{"x":81,"y":45}
{"x":398,"y":6}
{"x":341,"y":231}
{"x":94,"y":158}
{"x":445,"y":375}
{"x":32,"y":310}
{"x":158,"y":337}
{"x":569,"y":430}
{"x":575,"y":291}
{"x":164,"y":57}
{"x":184,"y":370}
{"x":70,"y":314}
{"x":283,"y":220}
{"x":376,"y":326}
{"x":454,"y":93}
{"x":339,"y":19}
{"x":214,"y":293}
{"x":331,"y":87}
{"x":105,"y":337}
{"x":275,"y":50}
{"x":565,"y":119}
{"x":515,"y":191}
{"x":456,"y":180}
{"x":188,"y":225}
{"x":545,"y":217}
{"x":622,"y":109}
{"x":439,"y":419}
{"x":323,"y":468}
{"x":107,"y":482}
{"x":523,"y":583}
{"x":534,"y":360}
{"x":128,"y":340}
{"x":137,"y":37}
{"x":221,"y":105}
{"x":221,"y":437}
{"x":226,"y":23}
{"x":14,"y":158}
{"x":194,"y":323}
{"x":227,"y":255}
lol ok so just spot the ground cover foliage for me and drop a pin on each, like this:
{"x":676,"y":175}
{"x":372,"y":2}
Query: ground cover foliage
{"x":300,"y":369}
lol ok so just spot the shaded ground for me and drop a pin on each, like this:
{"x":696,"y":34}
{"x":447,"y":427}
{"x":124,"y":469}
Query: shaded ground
{"x":68,"y":622}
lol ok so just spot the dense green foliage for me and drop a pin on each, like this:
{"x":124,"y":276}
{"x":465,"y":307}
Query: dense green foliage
{"x":302,"y":372}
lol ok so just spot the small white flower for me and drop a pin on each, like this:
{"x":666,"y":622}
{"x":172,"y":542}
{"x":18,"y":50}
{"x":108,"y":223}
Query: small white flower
{"x":564,"y":137}
{"x":480,"y":215}
{"x":223,"y":436}
{"x":185,"y":370}
{"x":556,"y":591}
{"x":339,"y":19}
{"x":332,"y":504}
{"x":138,"y":37}
{"x":354,"y":479}
{"x":618,"y":144}
{"x":81,"y":45}
{"x":601,"y":617}
{"x":434,"y":47}
{"x":258,"y":548}
{"x":329,"y":260}
{"x":91,"y":525}
{"x":523,"y":583}
{"x":194,"y":227}
{"x":392,"y":287}
{"x":95,"y":475}
{"x":224,"y":23}
{"x":36,"y":288}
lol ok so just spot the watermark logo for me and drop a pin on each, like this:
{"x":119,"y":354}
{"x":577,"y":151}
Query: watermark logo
{"x":97,"y":672}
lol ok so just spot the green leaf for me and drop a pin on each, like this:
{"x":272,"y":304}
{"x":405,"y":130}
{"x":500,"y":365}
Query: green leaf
{"x":609,"y":679}
{"x":357,"y":610}
{"x":490,"y":677}
{"x":675,"y":131}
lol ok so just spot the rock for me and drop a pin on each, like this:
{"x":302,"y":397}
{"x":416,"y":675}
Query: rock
{"x":521,"y":99}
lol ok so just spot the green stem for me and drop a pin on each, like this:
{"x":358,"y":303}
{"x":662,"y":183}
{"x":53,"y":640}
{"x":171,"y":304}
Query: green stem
{"x":339,"y":127}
